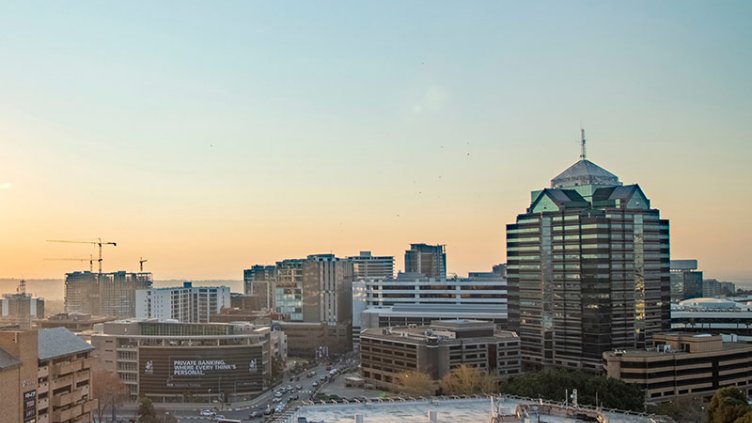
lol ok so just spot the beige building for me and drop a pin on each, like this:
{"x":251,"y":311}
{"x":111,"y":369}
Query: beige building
{"x":437,"y":349}
{"x":683,"y":364}
{"x":45,"y":377}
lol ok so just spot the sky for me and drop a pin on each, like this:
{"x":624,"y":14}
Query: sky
{"x":210,"y":136}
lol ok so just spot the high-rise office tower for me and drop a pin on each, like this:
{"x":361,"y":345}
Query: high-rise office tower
{"x":686,"y":280}
{"x":587,"y":269}
{"x":259,"y":281}
{"x":368,"y":266}
{"x":327,"y":289}
{"x":288,"y":289}
{"x":430,"y":260}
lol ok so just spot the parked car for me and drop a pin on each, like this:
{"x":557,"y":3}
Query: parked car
{"x":207,"y":413}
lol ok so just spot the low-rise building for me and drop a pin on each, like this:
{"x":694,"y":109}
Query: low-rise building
{"x":716,"y":316}
{"x":683,"y":364}
{"x":169,"y":361}
{"x":436,"y":349}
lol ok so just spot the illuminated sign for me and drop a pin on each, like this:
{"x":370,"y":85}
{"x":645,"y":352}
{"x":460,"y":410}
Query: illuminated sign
{"x":199,"y":367}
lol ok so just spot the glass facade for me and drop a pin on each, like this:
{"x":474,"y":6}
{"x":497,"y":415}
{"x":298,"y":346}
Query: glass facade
{"x":587,"y":275}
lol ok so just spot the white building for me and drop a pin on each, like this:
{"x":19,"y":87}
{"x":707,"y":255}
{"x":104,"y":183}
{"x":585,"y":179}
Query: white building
{"x":412,"y":298}
{"x":186,"y":304}
{"x":368,"y":266}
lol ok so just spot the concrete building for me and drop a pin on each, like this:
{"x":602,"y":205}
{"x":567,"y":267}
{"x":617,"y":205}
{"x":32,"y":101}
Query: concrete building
{"x":64,"y":392}
{"x":259,"y":281}
{"x":712,"y":288}
{"x":412,"y":298}
{"x":21,"y":308}
{"x":436,"y":349}
{"x":45,"y":377}
{"x":368,"y":266}
{"x":683,"y":364}
{"x":715,"y":316}
{"x":187,"y":362}
{"x":686,"y":280}
{"x":588,"y":270}
{"x":186,"y":304}
{"x":429,"y":260}
{"x":108,"y":294}
{"x":19,"y":376}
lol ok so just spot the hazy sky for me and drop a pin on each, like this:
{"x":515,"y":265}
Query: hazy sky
{"x":209,"y":136}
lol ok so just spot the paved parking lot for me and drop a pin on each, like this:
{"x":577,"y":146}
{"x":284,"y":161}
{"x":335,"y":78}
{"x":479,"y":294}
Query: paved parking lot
{"x":337,"y":387}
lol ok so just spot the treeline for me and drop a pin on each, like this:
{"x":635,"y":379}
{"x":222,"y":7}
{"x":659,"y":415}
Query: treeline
{"x":551,"y":385}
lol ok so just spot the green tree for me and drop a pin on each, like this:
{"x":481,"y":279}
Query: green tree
{"x":553,"y":385}
{"x":146,"y":411}
{"x":682,"y":409}
{"x":747,"y":418}
{"x":728,"y":405}
{"x":416,"y":383}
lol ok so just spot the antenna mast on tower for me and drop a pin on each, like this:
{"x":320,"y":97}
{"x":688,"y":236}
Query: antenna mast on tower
{"x":582,"y":153}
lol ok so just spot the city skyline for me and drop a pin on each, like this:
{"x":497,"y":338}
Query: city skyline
{"x":207,"y":139}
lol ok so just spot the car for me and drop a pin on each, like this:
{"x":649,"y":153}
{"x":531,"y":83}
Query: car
{"x":207,"y":413}
{"x":254,"y":414}
{"x":315,"y":384}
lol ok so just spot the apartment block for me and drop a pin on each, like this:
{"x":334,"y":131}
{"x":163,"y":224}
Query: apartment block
{"x":186,"y":304}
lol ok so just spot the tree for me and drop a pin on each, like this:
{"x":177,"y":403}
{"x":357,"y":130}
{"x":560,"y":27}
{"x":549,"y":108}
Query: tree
{"x":682,"y":409}
{"x":146,"y":411}
{"x":466,"y":380}
{"x":416,"y":383}
{"x":553,"y":385}
{"x":747,"y":418}
{"x":728,"y":405}
{"x":108,"y":389}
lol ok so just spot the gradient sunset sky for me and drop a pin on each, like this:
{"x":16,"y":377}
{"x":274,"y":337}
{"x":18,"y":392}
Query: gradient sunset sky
{"x":210,"y":136}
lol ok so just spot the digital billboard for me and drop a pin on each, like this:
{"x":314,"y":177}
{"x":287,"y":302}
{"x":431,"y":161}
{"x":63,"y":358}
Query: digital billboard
{"x":200,"y":370}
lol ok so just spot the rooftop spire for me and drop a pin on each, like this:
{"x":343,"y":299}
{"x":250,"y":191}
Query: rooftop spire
{"x":582,"y":153}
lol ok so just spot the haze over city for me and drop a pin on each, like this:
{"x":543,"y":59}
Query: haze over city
{"x":209,"y":137}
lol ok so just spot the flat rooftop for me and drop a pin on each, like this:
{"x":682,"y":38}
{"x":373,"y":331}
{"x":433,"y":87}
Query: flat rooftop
{"x":448,"y":411}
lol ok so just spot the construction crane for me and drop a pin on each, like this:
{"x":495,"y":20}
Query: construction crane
{"x":90,"y":260}
{"x":141,"y":262}
{"x":98,"y":243}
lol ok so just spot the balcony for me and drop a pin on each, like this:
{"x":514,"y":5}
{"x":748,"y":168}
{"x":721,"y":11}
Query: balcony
{"x":59,"y":416}
{"x":82,"y":376}
{"x":68,"y":367}
{"x":43,"y":403}
{"x":43,"y":418}
{"x":87,"y":363}
{"x":62,"y":382}
{"x":66,"y":399}
{"x":43,"y":371}
{"x":43,"y":387}
{"x":90,"y":405}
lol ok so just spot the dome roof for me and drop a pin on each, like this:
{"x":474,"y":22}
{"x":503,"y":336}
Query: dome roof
{"x":585,"y":172}
{"x":705,"y":302}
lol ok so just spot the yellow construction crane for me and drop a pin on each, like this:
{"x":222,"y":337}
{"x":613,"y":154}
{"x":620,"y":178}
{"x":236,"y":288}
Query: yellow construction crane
{"x":90,"y":260}
{"x":141,"y":262}
{"x":98,"y":243}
